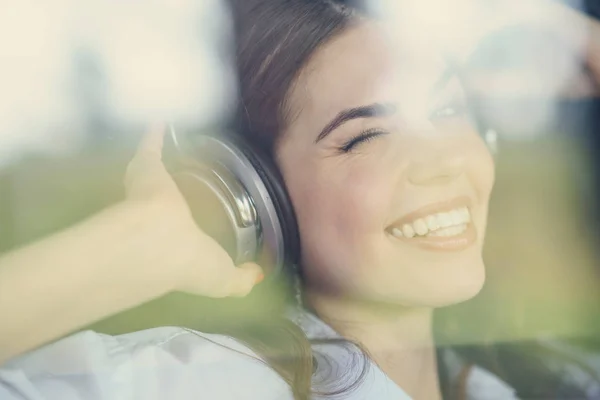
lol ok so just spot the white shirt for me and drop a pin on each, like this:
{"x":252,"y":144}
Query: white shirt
{"x":181,"y":364}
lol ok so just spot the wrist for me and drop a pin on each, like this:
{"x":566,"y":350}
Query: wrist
{"x":158,"y":242}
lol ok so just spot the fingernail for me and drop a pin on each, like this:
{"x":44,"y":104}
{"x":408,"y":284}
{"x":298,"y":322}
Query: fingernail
{"x":260,"y":278}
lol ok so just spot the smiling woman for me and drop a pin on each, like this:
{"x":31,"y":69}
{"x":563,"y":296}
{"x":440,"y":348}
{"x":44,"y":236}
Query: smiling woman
{"x":390,"y":183}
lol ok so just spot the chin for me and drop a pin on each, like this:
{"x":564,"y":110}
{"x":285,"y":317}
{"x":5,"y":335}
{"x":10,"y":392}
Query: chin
{"x":453,"y":286}
{"x":458,"y":289}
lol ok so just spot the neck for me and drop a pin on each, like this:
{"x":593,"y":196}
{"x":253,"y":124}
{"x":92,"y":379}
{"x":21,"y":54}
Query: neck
{"x":398,"y":339}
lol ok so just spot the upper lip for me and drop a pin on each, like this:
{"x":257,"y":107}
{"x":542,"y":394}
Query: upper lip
{"x":433,"y":208}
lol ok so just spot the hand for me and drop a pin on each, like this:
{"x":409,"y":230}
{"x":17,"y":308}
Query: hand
{"x":119,"y":258}
{"x":191,"y":260}
{"x":559,"y":56}
{"x":512,"y":48}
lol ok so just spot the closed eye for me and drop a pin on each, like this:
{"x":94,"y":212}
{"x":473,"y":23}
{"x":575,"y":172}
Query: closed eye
{"x":361,"y":138}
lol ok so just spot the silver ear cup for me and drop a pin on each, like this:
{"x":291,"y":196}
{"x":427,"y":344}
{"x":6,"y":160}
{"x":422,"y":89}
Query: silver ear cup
{"x":223,"y":209}
{"x":228,"y":199}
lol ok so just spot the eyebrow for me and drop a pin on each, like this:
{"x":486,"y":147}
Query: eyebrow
{"x":369,"y":111}
{"x":377,"y":110}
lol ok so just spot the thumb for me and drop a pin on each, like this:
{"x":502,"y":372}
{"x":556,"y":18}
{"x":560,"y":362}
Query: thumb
{"x":146,"y":170}
{"x":244,"y":278}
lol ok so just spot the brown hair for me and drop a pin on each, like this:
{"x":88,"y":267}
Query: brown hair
{"x":274,"y":40}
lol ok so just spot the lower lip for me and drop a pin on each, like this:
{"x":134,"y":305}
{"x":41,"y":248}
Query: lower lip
{"x":444,"y":243}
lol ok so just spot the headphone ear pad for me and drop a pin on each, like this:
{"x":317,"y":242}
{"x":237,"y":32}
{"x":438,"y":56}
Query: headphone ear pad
{"x":273,"y":181}
{"x":245,"y":182}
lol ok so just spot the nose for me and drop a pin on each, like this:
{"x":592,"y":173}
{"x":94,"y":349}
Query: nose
{"x":437,"y":168}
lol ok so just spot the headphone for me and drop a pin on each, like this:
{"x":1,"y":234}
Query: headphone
{"x":237,"y":196}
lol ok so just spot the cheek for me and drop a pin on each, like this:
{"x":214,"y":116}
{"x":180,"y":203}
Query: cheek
{"x":480,"y":162}
{"x":341,"y":210}
{"x":482,"y":169}
{"x":481,"y":175}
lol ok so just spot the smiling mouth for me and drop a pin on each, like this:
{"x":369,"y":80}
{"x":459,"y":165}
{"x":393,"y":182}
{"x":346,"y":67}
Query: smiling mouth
{"x":444,"y":226}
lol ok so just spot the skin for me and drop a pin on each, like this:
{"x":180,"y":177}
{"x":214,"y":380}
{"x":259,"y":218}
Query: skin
{"x":368,"y":285}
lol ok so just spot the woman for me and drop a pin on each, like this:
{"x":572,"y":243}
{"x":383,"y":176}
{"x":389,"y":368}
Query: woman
{"x":390,"y":188}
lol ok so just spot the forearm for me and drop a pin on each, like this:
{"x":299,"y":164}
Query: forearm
{"x":69,"y":280}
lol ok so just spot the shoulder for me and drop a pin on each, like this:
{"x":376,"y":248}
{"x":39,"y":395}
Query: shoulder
{"x":153,"y":364}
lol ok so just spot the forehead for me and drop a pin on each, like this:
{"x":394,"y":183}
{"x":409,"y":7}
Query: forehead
{"x":359,"y":67}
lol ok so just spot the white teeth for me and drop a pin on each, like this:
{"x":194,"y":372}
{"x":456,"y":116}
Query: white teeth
{"x":408,"y":231}
{"x":432,"y":223}
{"x":450,"y":223}
{"x":397,"y":232}
{"x":456,"y":217}
{"x":420,"y":227}
{"x":451,"y":231}
{"x":445,"y":219}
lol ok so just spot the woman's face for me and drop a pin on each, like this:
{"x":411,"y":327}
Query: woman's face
{"x":389,"y":178}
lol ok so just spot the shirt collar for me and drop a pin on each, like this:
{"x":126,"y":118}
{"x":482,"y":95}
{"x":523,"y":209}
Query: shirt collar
{"x":480,"y":385}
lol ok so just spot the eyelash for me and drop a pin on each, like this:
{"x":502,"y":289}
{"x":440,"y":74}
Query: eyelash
{"x":364,"y":136}
{"x":460,"y":107}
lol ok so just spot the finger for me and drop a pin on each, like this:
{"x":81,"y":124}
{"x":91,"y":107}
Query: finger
{"x":146,"y":167}
{"x":244,"y":278}
{"x":152,"y":142}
